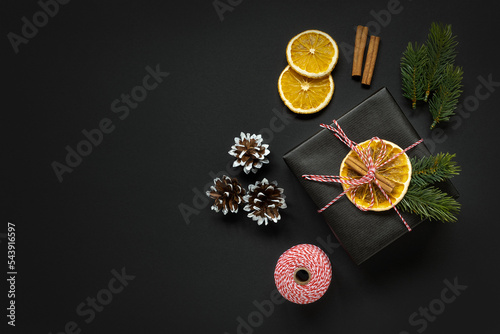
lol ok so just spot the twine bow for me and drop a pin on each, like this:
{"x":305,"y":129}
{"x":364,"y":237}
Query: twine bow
{"x":369,"y":178}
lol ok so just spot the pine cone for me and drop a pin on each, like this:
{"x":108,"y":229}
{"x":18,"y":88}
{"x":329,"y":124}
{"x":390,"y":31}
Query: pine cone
{"x":227,"y":194}
{"x":264,"y":199}
{"x":249,"y":151}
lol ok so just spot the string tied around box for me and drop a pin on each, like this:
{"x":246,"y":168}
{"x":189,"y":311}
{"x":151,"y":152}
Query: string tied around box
{"x":370,"y":165}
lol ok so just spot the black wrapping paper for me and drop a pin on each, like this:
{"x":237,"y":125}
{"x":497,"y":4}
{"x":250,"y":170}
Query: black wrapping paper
{"x":362,"y":234}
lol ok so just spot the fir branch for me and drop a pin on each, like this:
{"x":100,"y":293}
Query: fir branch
{"x":432,"y":169}
{"x":440,"y":51}
{"x":430,"y":203}
{"x":413,"y":65}
{"x":444,"y":102}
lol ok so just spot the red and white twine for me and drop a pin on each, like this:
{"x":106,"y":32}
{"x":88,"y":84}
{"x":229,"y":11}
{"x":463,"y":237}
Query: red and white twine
{"x":315,"y":261}
{"x":369,"y":178}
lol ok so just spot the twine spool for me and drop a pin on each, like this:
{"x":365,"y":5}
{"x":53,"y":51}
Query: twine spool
{"x":303,"y":274}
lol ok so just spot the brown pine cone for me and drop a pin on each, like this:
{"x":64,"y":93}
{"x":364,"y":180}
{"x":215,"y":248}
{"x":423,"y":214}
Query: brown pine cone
{"x":249,"y":151}
{"x":264,"y":199}
{"x":227,"y":194}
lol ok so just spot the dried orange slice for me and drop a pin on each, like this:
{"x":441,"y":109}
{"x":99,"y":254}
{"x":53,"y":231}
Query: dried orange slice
{"x":312,"y":53}
{"x":397,"y":171}
{"x":304,"y":95}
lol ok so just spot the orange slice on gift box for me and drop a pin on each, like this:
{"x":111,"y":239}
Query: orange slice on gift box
{"x":396,"y":174}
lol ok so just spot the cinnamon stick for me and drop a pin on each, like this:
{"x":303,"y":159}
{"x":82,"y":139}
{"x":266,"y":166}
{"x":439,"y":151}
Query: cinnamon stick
{"x":386,"y":184}
{"x":379,"y":177}
{"x":371,"y":57}
{"x":359,"y":50}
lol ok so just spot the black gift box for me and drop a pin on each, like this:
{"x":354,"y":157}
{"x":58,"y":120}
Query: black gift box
{"x":361,"y":233}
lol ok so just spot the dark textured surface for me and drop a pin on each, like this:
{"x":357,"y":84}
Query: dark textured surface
{"x":362,"y":234}
{"x":204,"y":272}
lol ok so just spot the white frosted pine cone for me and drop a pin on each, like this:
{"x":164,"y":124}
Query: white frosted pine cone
{"x":264,"y":200}
{"x":249,"y":152}
{"x":227,"y":193}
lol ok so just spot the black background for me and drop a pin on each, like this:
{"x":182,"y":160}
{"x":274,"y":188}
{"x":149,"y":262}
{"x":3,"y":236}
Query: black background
{"x":120,"y":207}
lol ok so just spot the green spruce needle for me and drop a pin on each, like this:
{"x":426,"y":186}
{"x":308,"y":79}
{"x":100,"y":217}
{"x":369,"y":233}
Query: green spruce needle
{"x":422,"y":197}
{"x":444,"y":101}
{"x":428,"y":73}
{"x":440,"y":52}
{"x":432,"y":169}
{"x":413,"y":66}
{"x":430,"y":203}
